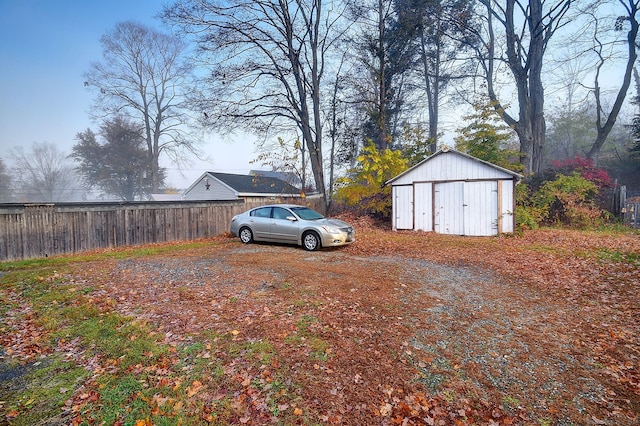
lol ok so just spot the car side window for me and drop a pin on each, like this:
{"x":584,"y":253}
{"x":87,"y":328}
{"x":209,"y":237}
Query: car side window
{"x":280,"y":213}
{"x":262,"y":212}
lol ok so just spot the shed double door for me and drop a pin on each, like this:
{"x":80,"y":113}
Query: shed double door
{"x":466,"y":208}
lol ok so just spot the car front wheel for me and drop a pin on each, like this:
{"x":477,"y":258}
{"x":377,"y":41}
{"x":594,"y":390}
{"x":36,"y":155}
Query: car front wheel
{"x":246,"y":236}
{"x":311,"y":241}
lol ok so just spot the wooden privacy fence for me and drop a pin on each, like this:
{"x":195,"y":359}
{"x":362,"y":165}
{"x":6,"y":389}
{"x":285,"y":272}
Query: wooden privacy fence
{"x":631,"y":212}
{"x":39,"y":230}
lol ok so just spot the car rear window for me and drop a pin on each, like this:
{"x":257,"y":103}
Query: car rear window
{"x":261,"y":212}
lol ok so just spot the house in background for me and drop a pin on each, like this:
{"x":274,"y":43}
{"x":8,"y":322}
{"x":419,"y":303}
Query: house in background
{"x":226,"y":186}
{"x":454,"y":193}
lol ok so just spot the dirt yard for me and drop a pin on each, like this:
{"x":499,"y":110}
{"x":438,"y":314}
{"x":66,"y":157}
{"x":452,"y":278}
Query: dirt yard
{"x":408,"y":328}
{"x":421,"y":328}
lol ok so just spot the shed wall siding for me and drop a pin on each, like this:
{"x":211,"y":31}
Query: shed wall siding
{"x":452,"y":193}
{"x":423,"y":216}
{"x":481,"y":208}
{"x":402,"y":207}
{"x":507,"y":206}
{"x":448,"y":202}
{"x":451,"y":168}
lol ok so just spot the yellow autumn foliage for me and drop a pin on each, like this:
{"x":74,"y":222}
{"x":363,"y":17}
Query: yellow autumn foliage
{"x":364,"y":186}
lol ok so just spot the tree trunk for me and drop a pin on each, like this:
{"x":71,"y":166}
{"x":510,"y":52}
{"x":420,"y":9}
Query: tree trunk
{"x":432,"y":89}
{"x":525,"y":63}
{"x":603,"y":130}
{"x":382,"y":63}
{"x":536,"y":88}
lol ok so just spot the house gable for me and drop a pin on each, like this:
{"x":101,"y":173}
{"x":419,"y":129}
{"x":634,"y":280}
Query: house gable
{"x":207,"y":187}
{"x":451,"y":165}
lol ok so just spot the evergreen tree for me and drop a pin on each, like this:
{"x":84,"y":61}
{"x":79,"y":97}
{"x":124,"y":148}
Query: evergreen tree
{"x":486,"y":138}
{"x":118,"y":165}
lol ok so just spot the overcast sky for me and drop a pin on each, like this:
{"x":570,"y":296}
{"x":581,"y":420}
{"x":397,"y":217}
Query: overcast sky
{"x":45,"y":47}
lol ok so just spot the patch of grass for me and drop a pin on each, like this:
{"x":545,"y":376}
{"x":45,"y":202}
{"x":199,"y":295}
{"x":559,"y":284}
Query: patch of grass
{"x":118,"y":395}
{"x":304,"y":323}
{"x":38,"y":390}
{"x":193,"y":349}
{"x":618,"y":256}
{"x":116,"y":253}
{"x":510,"y":403}
{"x":318,"y":347}
{"x":259,"y":350}
{"x":617,"y":228}
{"x":558,"y":251}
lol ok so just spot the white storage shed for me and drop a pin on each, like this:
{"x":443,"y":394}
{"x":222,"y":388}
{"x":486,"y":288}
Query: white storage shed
{"x":454,"y":193}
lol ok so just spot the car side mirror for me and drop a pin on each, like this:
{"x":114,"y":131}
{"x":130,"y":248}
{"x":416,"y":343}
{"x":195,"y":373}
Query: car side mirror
{"x":291,"y":218}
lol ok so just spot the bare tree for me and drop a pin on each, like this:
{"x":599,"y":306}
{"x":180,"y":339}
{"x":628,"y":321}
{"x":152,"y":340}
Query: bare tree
{"x":5,"y":183}
{"x":265,"y":65}
{"x":381,"y":50}
{"x":443,"y":30}
{"x":526,"y":30}
{"x":143,"y":76}
{"x":43,"y":174}
{"x":606,"y":120}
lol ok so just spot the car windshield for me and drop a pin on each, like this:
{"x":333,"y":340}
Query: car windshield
{"x":306,"y":213}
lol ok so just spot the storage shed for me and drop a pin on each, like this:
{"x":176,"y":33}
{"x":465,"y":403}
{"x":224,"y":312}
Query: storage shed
{"x":454,"y":193}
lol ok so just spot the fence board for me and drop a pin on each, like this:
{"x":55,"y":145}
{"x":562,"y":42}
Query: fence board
{"x":631,"y":213}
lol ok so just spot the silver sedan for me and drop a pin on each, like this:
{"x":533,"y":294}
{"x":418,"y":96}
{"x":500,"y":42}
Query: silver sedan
{"x":293,"y":224}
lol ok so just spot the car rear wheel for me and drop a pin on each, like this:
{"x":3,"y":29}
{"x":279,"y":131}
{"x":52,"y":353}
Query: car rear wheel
{"x":310,"y":241}
{"x":246,"y":236}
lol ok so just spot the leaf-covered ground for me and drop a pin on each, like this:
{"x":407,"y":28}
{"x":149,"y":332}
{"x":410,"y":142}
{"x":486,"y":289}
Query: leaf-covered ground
{"x":398,"y":328}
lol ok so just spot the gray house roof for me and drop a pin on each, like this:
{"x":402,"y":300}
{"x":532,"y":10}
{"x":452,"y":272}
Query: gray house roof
{"x":227,"y":186}
{"x":255,"y":184}
{"x":288,"y":177}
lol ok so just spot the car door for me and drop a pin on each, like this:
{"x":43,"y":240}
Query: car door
{"x":282,"y":228}
{"x":260,"y":223}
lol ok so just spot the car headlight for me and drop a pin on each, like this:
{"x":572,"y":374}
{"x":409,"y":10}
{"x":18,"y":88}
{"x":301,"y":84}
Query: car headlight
{"x":331,"y":229}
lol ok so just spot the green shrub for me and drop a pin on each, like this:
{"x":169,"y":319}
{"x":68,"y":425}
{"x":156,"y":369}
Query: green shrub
{"x":568,"y":200}
{"x":526,"y":218}
{"x":527,"y":215}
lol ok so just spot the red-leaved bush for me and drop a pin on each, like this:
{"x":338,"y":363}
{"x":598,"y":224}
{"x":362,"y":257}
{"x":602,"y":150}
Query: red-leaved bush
{"x":586,"y":169}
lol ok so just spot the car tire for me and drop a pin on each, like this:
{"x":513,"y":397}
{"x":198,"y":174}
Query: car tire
{"x":246,"y":236}
{"x":311,"y":241}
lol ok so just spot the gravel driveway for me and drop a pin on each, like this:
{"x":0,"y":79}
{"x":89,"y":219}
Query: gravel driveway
{"x":392,"y":325}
